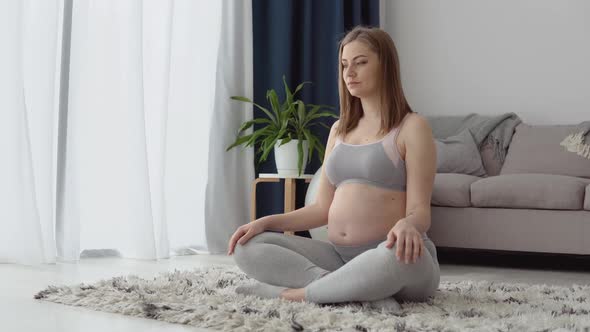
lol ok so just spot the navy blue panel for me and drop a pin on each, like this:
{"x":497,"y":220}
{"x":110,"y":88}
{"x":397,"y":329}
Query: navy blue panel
{"x":299,"y":38}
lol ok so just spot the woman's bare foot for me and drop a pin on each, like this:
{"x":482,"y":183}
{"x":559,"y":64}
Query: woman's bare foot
{"x":294,"y":294}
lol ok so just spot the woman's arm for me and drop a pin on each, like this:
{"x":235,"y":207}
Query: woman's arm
{"x":304,"y":218}
{"x":420,"y":157}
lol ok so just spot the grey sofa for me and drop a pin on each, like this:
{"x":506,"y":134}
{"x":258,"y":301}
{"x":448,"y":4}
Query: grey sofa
{"x":537,"y":200}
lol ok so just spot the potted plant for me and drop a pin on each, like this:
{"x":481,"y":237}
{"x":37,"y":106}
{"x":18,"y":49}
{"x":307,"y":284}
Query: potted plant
{"x":286,"y":131}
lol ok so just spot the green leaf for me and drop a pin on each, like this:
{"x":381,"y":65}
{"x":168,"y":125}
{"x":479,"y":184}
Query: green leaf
{"x":319,"y":115}
{"x":245,"y":126}
{"x":244,"y":99}
{"x":313,"y":110}
{"x":238,"y":141}
{"x":287,"y":115}
{"x":327,"y":114}
{"x":264,"y":132}
{"x":285,"y":140}
{"x":301,"y":111}
{"x":258,"y":161}
{"x":309,"y":137}
{"x":269,"y":147}
{"x":262,"y":157}
{"x":300,"y":86}
{"x":317,"y":108}
{"x":321,"y":124}
{"x":249,"y":124}
{"x":294,"y":126}
{"x":272,"y":97}
{"x":288,"y":94}
{"x":322,"y":106}
{"x":321,"y":149}
{"x":281,"y":132}
{"x":240,"y":98}
{"x":299,"y":155}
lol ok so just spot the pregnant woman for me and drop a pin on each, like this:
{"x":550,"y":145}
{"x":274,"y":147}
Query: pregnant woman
{"x":374,"y":195}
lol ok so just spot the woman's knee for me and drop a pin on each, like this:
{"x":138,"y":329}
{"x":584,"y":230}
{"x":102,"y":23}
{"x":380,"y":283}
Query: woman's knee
{"x":424,"y":259}
{"x":245,"y":256}
{"x":425,"y":274}
{"x":258,"y":238}
{"x":248,"y":251}
{"x":387,"y":253}
{"x":264,"y":237}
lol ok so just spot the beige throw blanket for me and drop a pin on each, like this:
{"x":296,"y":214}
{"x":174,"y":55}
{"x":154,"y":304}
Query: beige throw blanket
{"x":579,"y":140}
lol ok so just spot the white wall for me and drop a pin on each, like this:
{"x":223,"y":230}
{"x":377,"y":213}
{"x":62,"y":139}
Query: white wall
{"x":531,"y":57}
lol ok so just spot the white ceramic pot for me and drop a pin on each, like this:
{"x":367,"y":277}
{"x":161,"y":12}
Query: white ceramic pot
{"x":286,"y":157}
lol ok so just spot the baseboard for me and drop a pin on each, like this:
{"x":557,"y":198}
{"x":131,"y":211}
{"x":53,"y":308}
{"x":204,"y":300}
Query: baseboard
{"x":513,"y":259}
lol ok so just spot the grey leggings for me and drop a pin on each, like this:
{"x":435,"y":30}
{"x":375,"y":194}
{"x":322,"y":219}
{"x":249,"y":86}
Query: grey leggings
{"x":331,"y":273}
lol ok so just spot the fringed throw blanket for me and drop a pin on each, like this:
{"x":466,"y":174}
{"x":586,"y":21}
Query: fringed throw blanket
{"x":579,"y":140}
{"x":495,"y":130}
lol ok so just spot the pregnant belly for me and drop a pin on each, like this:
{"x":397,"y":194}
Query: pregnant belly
{"x":361,"y":213}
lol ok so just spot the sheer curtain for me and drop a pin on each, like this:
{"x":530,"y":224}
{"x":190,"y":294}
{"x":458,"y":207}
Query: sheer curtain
{"x":230,"y":173}
{"x":139,"y":130}
{"x":29,"y":35}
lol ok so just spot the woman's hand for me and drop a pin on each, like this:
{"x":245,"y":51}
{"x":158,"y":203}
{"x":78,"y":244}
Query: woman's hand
{"x":244,"y":233}
{"x":409,"y":241}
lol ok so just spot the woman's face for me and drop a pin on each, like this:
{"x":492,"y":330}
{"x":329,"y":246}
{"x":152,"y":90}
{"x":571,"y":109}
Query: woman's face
{"x":360,"y":69}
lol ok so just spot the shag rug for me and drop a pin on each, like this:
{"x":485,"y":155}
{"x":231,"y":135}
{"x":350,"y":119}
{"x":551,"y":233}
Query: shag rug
{"x":205,"y":298}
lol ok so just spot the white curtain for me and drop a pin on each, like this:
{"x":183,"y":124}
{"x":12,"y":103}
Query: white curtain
{"x":230,"y":173}
{"x":29,"y":62}
{"x":143,"y":113}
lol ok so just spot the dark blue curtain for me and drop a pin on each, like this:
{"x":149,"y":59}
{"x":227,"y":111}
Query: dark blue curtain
{"x":299,"y":39}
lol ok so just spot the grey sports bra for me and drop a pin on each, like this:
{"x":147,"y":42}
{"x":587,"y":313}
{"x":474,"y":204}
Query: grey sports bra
{"x":378,"y":163}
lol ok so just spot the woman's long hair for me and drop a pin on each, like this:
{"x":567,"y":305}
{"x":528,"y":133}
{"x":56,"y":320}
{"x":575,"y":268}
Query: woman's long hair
{"x":394,"y":105}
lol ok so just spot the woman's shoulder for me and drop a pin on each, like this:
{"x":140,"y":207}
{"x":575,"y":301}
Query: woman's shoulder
{"x":334,"y":132}
{"x":416,"y":122}
{"x":416,"y":126}
{"x":415,"y":131}
{"x":334,"y":128}
{"x":335,"y":124}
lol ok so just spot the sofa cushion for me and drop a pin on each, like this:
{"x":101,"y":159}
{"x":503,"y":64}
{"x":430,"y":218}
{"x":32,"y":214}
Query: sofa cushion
{"x":537,"y":149}
{"x":452,"y":189}
{"x":459,"y":154}
{"x":529,"y":191}
{"x":587,"y":198}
